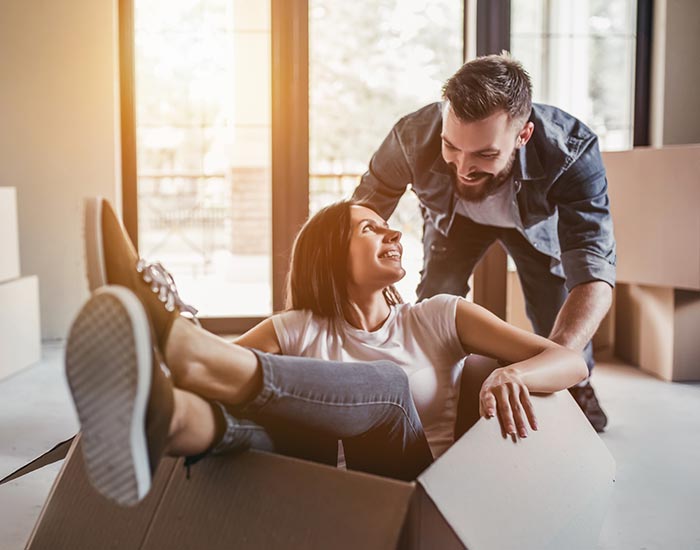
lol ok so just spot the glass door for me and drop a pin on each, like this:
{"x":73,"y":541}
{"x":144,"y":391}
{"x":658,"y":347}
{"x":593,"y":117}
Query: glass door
{"x":370,"y":63}
{"x":203,"y":140}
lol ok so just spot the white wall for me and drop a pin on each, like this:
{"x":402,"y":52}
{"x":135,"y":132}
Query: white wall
{"x":59,"y":136}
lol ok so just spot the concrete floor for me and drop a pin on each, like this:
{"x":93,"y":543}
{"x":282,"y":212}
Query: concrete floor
{"x":654,"y":435}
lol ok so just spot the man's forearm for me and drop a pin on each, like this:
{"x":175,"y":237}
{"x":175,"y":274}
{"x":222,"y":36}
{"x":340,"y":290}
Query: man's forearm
{"x":581,"y":314}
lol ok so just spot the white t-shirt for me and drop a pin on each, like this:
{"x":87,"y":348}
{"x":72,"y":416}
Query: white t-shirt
{"x":420,"y":338}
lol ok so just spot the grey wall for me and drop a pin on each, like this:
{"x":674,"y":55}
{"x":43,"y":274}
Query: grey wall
{"x":59,"y":136}
{"x":681,"y":112}
{"x":676,"y":73}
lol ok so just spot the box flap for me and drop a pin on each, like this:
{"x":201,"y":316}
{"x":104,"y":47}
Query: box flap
{"x":425,"y":528}
{"x":258,"y":500}
{"x":37,"y":411}
{"x":76,"y":516}
{"x":58,"y":452}
{"x":549,"y":491}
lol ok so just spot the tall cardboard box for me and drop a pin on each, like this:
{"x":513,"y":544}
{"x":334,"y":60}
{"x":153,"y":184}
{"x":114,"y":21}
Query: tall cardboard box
{"x":20,"y":331}
{"x":9,"y":235}
{"x":549,"y":491}
{"x":655,"y":203}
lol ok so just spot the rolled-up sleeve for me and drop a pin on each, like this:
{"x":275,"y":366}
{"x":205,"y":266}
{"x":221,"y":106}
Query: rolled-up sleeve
{"x":387,"y":178}
{"x":585,"y":225}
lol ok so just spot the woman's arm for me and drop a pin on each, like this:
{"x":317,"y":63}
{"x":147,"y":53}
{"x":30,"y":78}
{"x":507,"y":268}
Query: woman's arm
{"x":262,"y":337}
{"x":537,"y":365}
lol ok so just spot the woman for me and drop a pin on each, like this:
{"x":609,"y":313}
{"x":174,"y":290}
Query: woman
{"x":344,"y":310}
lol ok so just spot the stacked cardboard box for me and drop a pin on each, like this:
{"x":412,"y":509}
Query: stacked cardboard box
{"x":20,"y":336}
{"x":655,"y":200}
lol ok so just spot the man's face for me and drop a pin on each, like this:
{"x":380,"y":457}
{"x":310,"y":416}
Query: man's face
{"x":481,"y":153}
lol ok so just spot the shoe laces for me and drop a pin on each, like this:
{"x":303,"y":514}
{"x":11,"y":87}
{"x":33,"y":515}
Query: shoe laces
{"x":163,"y":284}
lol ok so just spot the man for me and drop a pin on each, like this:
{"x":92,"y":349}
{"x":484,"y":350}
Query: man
{"x":487,"y":165}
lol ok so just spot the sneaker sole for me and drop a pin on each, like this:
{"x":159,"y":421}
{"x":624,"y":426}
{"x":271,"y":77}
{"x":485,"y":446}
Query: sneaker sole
{"x":108,"y":365}
{"x":94,"y":248}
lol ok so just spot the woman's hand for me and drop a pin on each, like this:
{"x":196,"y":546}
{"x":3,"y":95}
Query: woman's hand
{"x":504,"y":393}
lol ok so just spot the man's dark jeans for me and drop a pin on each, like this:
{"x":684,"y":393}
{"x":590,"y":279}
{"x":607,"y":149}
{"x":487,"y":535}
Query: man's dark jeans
{"x":448,"y":262}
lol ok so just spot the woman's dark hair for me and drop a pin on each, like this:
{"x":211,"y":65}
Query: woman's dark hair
{"x":318,"y":273}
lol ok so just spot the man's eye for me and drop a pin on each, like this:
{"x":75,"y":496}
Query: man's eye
{"x":489,"y":156}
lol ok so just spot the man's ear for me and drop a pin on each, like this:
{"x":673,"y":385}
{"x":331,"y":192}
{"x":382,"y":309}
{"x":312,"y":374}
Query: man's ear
{"x":525,"y":134}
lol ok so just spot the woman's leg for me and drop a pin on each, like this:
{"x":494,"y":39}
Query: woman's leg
{"x":205,"y":364}
{"x":199,"y":427}
{"x":193,"y":426}
{"x":369,"y":401}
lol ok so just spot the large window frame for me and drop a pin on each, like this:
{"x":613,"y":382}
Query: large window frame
{"x":290,"y":132}
{"x":289,"y":165}
{"x":290,"y":140}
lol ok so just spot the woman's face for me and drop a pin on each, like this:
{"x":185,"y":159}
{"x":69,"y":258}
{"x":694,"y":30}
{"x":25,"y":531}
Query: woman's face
{"x":374,"y":257}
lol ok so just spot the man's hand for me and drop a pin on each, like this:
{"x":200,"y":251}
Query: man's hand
{"x":505,"y":394}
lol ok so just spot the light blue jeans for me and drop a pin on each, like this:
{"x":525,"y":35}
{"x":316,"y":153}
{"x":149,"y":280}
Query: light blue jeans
{"x":306,"y":405}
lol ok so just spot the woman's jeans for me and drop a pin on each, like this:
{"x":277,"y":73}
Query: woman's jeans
{"x":306,"y":405}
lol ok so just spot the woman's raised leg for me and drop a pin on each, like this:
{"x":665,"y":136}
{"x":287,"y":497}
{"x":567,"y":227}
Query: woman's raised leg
{"x":333,"y":400}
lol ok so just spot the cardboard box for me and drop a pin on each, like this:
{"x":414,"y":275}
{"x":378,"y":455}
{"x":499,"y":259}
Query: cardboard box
{"x":9,"y":235}
{"x":20,"y":331}
{"x":549,"y":491}
{"x":656,"y":329}
{"x":655,"y":205}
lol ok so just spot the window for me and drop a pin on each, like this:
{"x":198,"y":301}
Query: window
{"x":203,"y":137}
{"x":581,"y":57}
{"x":370,"y":64}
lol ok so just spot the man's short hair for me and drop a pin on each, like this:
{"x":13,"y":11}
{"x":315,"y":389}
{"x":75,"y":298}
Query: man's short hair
{"x":488,"y":84}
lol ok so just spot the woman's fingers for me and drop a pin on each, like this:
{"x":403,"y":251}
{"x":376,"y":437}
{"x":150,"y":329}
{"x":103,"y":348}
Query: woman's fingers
{"x":505,"y":395}
{"x":513,"y":406}
{"x":518,"y":412}
{"x":487,"y":404}
{"x":505,"y":412}
{"x":529,"y":409}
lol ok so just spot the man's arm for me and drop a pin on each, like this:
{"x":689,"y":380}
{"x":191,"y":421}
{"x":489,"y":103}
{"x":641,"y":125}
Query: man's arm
{"x":587,"y":248}
{"x":389,"y":173}
{"x":581,"y":314}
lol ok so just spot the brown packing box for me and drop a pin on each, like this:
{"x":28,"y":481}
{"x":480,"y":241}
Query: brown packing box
{"x":549,"y":491}
{"x":655,"y":203}
{"x":654,"y":200}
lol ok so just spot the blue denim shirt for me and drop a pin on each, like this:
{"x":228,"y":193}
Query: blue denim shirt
{"x":561,"y":190}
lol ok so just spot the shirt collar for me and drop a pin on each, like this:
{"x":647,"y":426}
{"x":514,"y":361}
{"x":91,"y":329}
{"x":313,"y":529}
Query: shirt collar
{"x":528,"y":166}
{"x":439,"y":166}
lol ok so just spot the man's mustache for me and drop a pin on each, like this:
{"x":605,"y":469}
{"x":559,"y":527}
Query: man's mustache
{"x":471,"y":175}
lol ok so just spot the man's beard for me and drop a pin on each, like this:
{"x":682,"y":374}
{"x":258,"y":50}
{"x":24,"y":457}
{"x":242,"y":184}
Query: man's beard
{"x":491,"y":183}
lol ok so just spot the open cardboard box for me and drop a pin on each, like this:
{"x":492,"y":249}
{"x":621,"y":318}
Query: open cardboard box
{"x":549,"y":491}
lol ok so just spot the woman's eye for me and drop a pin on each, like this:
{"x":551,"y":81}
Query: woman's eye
{"x":367,"y":228}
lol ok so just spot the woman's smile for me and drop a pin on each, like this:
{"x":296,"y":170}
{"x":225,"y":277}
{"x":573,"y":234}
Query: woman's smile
{"x":392,"y":254}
